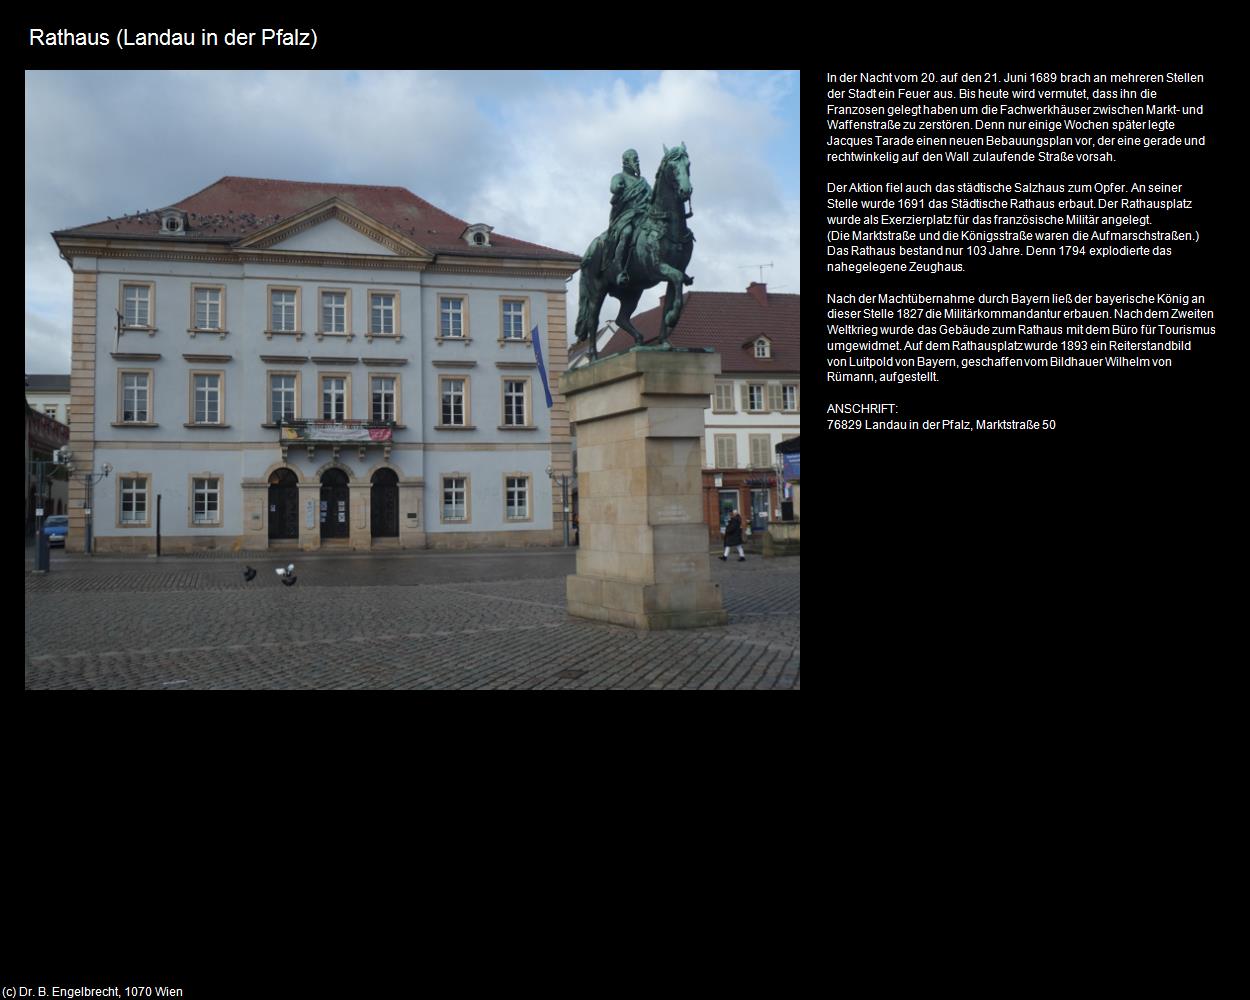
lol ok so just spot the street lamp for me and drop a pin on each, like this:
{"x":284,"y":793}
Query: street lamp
{"x":564,"y":489}
{"x":91,"y":478}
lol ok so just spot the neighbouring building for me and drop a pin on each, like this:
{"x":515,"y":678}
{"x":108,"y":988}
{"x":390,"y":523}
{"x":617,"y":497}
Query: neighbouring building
{"x":755,"y":404}
{"x":304,"y":365}
{"x":44,"y":488}
{"x":579,"y":351}
{"x":49,"y":395}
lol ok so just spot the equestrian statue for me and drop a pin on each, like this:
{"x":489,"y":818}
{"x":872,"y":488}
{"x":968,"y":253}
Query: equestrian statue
{"x":647,"y":241}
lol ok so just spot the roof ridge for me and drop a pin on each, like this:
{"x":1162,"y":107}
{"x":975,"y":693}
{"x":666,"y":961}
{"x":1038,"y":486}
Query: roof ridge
{"x":281,"y":180}
{"x":199,"y":192}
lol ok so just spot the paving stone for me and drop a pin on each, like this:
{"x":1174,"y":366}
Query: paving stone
{"x":471,"y":621}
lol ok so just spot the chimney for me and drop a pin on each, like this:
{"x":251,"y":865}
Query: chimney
{"x":758,"y":291}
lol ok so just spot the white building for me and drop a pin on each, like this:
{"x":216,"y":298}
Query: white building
{"x":49,"y":395}
{"x":299,"y":365}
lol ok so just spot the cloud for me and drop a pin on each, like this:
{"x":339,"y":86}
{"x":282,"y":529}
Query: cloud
{"x":552,"y":181}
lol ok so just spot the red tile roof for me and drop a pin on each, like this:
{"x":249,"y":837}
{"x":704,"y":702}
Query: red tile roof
{"x":729,"y":322}
{"x":235,"y":208}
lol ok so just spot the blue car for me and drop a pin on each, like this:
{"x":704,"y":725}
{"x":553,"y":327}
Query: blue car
{"x":55,"y":528}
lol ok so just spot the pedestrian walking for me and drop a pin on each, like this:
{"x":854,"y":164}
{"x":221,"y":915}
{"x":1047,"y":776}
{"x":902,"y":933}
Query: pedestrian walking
{"x":733,"y":536}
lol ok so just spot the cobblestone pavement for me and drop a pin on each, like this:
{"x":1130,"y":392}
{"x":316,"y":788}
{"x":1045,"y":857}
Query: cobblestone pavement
{"x":423,"y":620}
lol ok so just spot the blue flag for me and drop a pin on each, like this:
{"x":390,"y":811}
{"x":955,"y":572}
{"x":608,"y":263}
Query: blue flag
{"x":542,"y":369}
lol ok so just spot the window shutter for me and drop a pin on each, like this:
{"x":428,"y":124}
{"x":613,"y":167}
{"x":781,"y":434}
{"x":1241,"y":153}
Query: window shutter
{"x":774,"y":397}
{"x":759,"y":451}
{"x":746,"y":397}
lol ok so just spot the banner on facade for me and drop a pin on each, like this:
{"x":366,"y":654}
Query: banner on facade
{"x":790,"y":466}
{"x":542,"y":369}
{"x":334,"y":432}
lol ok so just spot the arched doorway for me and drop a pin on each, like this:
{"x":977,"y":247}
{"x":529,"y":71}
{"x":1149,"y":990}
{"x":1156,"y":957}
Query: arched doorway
{"x":384,"y":504}
{"x":283,"y":504}
{"x":334,"y":504}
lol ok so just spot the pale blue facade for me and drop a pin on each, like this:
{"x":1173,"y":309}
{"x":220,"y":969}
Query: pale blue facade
{"x":176,"y":453}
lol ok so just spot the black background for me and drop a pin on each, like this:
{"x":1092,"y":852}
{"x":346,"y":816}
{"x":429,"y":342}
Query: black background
{"x":1000,"y":546}
{"x":985,"y":614}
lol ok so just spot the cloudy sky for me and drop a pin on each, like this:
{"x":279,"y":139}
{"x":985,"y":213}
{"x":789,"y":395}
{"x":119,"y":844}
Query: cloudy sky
{"x":530,"y":153}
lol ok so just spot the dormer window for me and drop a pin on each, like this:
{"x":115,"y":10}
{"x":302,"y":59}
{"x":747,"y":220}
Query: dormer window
{"x":477,"y":235}
{"x":173,"y":222}
{"x":763,"y":349}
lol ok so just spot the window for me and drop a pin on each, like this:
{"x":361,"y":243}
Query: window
{"x":137,"y":306}
{"x":283,"y":397}
{"x":790,"y":398}
{"x":334,"y":397}
{"x":206,"y":308}
{"x":134,"y":397}
{"x":753,"y":398}
{"x":383,"y":314}
{"x":513,"y":319}
{"x":284,"y":310}
{"x":724,"y":398}
{"x":515,"y":393}
{"x":455,"y":498}
{"x":763,"y":349}
{"x":334,"y":311}
{"x":454,"y":392}
{"x":517,"y":498}
{"x":205,"y":501}
{"x":761,"y":457}
{"x":382,"y":390}
{"x":206,"y":398}
{"x":451,"y":317}
{"x":50,"y":411}
{"x":726,"y":451}
{"x":132,"y":508}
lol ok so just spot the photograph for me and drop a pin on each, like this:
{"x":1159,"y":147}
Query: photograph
{"x":384,"y":362}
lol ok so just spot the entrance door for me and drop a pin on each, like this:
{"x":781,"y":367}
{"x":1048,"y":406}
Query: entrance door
{"x":759,"y":510}
{"x":334,"y":504}
{"x":283,"y":504}
{"x":384,"y":504}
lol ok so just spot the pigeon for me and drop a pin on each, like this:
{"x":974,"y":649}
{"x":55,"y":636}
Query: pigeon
{"x":287,"y":576}
{"x":248,"y":573}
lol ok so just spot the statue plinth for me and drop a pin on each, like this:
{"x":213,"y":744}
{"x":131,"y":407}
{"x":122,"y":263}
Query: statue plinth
{"x":643,"y":554}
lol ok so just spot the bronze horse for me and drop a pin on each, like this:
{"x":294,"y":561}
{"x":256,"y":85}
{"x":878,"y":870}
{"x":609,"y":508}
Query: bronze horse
{"x":662,"y":245}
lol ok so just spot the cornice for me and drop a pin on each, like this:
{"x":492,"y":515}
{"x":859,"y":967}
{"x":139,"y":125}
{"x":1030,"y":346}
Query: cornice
{"x":109,"y":248}
{"x":498,"y":268}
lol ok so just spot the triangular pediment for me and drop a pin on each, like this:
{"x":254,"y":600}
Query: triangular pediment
{"x":334,"y":227}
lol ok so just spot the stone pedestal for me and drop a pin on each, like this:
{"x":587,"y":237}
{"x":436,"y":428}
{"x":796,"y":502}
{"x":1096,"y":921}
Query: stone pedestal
{"x":643,"y":558}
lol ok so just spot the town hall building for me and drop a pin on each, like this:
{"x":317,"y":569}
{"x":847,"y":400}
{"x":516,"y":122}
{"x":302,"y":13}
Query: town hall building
{"x":290,"y":365}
